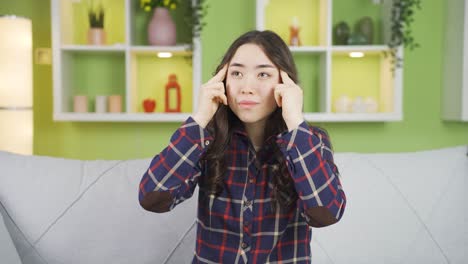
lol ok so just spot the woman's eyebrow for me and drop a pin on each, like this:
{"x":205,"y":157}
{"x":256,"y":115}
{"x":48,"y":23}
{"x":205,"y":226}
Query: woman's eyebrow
{"x":235,"y":64}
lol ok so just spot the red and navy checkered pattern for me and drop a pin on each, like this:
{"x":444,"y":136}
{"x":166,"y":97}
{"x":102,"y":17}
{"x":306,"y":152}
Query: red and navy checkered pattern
{"x":239,"y":225}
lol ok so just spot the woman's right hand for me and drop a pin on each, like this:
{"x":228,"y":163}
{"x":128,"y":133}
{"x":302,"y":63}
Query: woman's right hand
{"x":211,"y":95}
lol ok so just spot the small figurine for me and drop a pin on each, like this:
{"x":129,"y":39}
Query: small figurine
{"x":173,"y":95}
{"x":294,"y":39}
{"x":149,"y":104}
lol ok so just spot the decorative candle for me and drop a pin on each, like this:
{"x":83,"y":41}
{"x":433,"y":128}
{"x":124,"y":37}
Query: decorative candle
{"x":115,"y":103}
{"x":80,"y":104}
{"x":101,"y":104}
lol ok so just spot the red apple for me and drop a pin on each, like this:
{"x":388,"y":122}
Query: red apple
{"x":149,"y":105}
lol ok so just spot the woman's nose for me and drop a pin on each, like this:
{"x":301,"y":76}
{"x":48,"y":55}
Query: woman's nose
{"x":248,"y":85}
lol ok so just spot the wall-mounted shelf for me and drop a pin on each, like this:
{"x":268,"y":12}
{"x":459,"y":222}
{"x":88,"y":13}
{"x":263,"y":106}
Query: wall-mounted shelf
{"x":126,"y":65}
{"x":326,"y":71}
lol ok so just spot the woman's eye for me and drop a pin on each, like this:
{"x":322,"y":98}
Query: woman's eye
{"x":236,"y":74}
{"x":264,"y":75}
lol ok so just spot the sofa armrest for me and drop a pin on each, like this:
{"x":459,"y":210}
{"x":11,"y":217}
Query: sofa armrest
{"x":7,"y":248}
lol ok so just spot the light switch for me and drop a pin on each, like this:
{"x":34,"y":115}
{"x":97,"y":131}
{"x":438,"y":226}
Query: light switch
{"x":43,"y":56}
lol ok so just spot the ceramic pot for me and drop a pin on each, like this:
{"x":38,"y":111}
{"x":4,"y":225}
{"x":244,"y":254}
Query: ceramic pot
{"x":96,"y":36}
{"x":161,"y":28}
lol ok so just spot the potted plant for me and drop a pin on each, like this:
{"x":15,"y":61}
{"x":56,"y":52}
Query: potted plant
{"x":96,"y":33}
{"x":162,"y":29}
{"x":401,"y":18}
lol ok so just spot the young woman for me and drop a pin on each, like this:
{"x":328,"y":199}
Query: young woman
{"x":264,"y":175}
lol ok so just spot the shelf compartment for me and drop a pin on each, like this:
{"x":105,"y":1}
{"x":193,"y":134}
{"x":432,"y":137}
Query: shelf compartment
{"x":149,"y":76}
{"x":312,"y":76}
{"x":352,"y":11}
{"x":75,"y":24}
{"x":368,"y":77}
{"x":311,"y":14}
{"x":91,"y":74}
{"x":139,"y":20}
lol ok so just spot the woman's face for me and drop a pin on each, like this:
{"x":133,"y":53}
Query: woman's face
{"x":250,"y":83}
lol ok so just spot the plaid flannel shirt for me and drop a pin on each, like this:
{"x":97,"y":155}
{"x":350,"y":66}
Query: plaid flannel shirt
{"x":239,"y":225}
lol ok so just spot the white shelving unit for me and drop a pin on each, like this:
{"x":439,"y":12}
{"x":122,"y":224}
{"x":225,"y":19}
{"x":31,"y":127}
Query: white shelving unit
{"x":332,"y":59}
{"x":68,"y":53}
{"x":455,"y":84}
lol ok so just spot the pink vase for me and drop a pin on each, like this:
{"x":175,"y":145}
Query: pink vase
{"x":161,"y":28}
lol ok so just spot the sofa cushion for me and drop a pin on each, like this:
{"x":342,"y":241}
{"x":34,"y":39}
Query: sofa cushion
{"x":401,"y":208}
{"x":71,"y":211}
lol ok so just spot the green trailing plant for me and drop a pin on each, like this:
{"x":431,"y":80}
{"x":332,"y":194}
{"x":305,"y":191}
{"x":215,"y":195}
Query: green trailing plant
{"x":96,"y":17}
{"x":194,"y":17}
{"x":402,"y":16}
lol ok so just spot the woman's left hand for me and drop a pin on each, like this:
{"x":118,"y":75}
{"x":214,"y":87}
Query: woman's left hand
{"x":289,"y":96}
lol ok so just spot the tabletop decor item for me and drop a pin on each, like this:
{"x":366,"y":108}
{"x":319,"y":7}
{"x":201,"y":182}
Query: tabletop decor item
{"x":341,"y":33}
{"x":96,"y":32}
{"x":149,"y":104}
{"x":343,"y":104}
{"x":80,"y":104}
{"x":161,"y":27}
{"x":101,"y":104}
{"x":173,"y":95}
{"x":358,"y":105}
{"x":294,"y":39}
{"x":167,"y":30}
{"x":372,"y":106}
{"x":365,"y":27}
{"x":115,"y":104}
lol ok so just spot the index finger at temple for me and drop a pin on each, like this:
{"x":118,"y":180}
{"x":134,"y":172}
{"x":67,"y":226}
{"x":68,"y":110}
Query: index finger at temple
{"x":219,"y":77}
{"x":285,"y":78}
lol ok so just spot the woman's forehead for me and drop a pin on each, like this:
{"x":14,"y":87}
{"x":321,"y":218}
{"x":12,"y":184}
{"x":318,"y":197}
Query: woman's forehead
{"x":251,"y":55}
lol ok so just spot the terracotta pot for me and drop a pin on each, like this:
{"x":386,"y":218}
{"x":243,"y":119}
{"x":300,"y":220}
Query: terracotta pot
{"x":96,"y":36}
{"x":161,"y":28}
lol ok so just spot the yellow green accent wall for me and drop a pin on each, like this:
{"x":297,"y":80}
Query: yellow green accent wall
{"x":421,"y":128}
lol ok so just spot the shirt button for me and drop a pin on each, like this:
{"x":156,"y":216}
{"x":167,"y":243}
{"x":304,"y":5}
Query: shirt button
{"x":251,"y":180}
{"x":244,"y":245}
{"x":207,"y":142}
{"x":247,"y":203}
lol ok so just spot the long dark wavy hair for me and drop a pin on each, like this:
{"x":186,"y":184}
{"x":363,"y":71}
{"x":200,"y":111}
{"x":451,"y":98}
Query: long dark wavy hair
{"x":222,"y":125}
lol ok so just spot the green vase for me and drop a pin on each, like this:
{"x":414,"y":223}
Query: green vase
{"x":341,"y":33}
{"x":365,"y":27}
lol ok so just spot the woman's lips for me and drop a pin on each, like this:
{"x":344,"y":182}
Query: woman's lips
{"x":247,"y":104}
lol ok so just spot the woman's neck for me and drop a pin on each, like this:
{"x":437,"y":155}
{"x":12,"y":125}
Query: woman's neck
{"x":255,"y":132}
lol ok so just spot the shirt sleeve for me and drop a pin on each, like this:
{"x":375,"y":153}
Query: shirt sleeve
{"x":309,"y":158}
{"x":177,"y":168}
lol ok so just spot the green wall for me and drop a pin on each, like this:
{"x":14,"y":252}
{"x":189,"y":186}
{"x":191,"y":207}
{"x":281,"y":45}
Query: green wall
{"x":421,"y":129}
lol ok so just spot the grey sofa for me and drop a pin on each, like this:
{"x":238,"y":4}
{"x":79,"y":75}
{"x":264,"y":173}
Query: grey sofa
{"x":402,"y":208}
